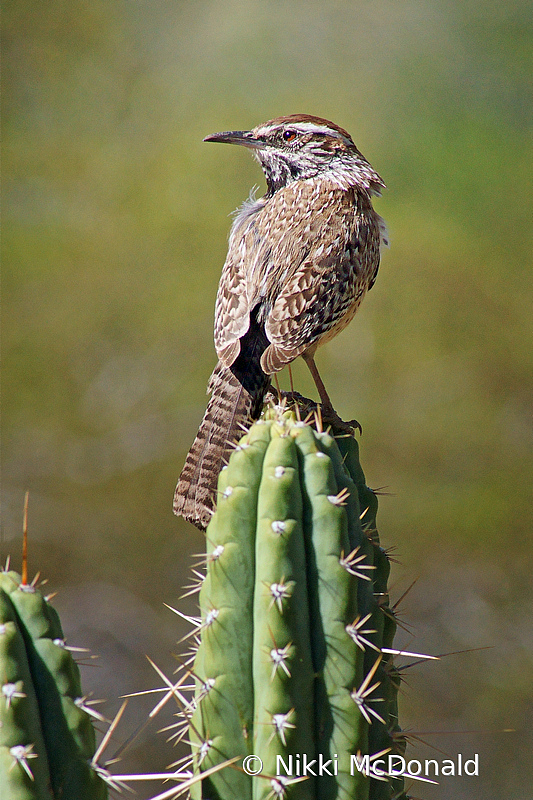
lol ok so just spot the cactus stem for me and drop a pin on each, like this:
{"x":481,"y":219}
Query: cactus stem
{"x":299,"y":589}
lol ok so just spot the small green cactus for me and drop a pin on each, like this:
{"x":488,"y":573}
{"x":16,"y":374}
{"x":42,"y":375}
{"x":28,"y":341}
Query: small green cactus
{"x":291,"y":665}
{"x":47,"y":739}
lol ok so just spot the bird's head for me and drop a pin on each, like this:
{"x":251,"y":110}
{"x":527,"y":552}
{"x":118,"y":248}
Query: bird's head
{"x":299,"y":147}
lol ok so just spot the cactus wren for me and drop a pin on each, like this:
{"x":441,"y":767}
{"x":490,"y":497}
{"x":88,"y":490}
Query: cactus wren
{"x":299,"y":263}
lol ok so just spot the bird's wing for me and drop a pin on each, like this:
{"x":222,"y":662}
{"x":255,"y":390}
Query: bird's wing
{"x":232,"y":310}
{"x":300,"y":257}
{"x":233,"y":303}
{"x":331,"y":272}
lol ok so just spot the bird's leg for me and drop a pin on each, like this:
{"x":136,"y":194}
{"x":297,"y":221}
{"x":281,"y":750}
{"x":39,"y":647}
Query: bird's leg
{"x":276,"y":381}
{"x":290,"y":378}
{"x":324,"y":397}
{"x":329,"y":415}
{"x":293,"y":394}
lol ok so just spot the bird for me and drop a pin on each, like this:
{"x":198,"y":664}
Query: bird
{"x":300,"y":260}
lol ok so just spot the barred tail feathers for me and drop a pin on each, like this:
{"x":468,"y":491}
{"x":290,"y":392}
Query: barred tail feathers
{"x":232,"y":406}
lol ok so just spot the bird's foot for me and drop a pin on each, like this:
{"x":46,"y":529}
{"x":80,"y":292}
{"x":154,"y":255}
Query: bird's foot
{"x":326,"y":414}
{"x":331,"y":418}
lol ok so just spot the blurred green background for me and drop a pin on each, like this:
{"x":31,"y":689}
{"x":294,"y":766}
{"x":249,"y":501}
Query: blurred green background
{"x":115,"y":224}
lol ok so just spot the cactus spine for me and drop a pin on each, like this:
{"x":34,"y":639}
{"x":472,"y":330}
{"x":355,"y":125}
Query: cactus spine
{"x":47,"y":739}
{"x":294,"y":616}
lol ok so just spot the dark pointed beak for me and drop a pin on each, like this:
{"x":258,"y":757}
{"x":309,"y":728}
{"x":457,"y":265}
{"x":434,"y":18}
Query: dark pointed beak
{"x":245,"y":138}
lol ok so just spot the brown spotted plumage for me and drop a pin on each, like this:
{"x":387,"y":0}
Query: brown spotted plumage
{"x":299,"y":263}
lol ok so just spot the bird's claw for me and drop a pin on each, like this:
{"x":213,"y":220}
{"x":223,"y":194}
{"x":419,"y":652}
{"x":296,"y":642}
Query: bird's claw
{"x":328,"y":415}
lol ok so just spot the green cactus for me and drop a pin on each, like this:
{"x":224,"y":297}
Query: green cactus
{"x":294,"y":616}
{"x":47,"y":739}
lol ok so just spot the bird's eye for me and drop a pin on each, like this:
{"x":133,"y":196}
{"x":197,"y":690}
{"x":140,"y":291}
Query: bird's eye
{"x":289,"y":135}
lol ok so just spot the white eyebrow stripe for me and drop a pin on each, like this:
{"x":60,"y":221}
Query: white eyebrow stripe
{"x":310,"y":127}
{"x":306,"y":127}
